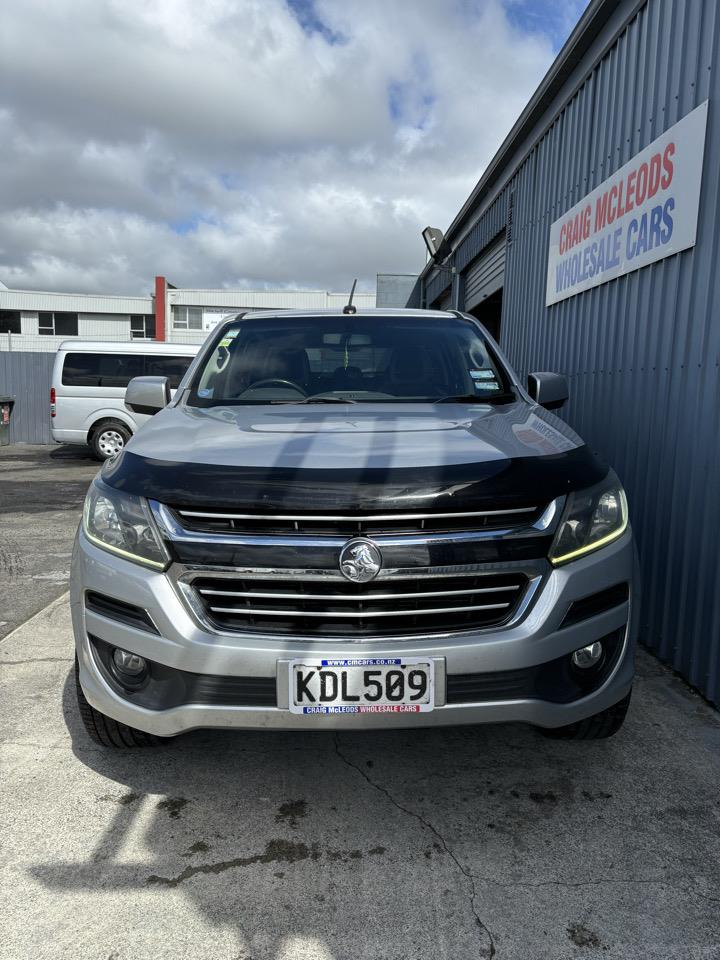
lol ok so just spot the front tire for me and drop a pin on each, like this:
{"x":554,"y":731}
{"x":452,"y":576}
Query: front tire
{"x":108,"y":732}
{"x":108,"y":439}
{"x":598,"y":727}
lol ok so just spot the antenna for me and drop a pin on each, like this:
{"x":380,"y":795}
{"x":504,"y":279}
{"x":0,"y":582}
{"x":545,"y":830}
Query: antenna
{"x":349,"y":308}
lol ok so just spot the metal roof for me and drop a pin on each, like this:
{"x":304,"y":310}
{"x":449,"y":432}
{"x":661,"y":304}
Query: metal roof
{"x":33,"y":300}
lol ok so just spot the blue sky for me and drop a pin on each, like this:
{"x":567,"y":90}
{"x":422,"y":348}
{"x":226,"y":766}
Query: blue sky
{"x":307,"y":16}
{"x":552,"y":19}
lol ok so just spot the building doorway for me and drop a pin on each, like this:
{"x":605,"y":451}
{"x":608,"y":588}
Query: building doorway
{"x":489,"y":313}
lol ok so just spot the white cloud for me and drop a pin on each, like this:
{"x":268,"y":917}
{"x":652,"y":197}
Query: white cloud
{"x":223,"y":144}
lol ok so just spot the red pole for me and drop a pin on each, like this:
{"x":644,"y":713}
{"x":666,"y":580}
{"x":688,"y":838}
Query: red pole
{"x":160,"y":293}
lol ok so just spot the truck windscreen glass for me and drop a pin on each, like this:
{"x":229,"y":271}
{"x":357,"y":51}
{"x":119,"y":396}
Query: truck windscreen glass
{"x":349,"y":358}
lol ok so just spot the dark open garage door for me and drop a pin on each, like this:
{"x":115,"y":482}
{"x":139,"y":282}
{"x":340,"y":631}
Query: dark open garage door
{"x":484,"y":280}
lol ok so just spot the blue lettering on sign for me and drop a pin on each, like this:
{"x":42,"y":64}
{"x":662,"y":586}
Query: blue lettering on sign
{"x":666,"y":232}
{"x":653,"y":229}
{"x":594,"y":258}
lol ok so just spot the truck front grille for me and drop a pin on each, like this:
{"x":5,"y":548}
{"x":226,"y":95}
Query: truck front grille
{"x":331,"y":525}
{"x":338,"y":608}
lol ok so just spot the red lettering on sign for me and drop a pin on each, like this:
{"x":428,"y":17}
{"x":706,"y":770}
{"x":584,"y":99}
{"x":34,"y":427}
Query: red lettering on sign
{"x":587,"y":214}
{"x":601,"y":209}
{"x":654,"y":178}
{"x":668,"y":165}
{"x":612,"y":210}
{"x":630,"y":191}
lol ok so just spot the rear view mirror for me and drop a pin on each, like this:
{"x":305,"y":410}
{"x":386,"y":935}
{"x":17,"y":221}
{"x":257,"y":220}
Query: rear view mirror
{"x":550,"y":390}
{"x":147,"y":394}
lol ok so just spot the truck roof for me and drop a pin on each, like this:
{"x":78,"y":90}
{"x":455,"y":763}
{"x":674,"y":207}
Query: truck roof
{"x":359,"y":311}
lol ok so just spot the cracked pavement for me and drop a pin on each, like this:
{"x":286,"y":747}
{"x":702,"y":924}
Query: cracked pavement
{"x":454,"y":843}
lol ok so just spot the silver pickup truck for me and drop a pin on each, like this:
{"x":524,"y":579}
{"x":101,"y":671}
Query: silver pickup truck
{"x":352,"y":519}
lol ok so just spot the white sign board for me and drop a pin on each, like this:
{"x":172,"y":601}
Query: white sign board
{"x":211,"y":318}
{"x":647,"y":210}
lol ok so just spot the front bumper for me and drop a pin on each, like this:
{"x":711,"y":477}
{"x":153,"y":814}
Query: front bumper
{"x":184,"y":644}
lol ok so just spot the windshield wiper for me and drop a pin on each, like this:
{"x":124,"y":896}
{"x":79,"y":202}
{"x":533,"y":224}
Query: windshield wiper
{"x":322,"y":398}
{"x":474,"y":398}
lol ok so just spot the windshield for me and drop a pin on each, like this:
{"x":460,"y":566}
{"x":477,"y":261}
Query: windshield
{"x":358,"y":359}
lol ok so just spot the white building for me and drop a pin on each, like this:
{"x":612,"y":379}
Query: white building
{"x":33,"y":320}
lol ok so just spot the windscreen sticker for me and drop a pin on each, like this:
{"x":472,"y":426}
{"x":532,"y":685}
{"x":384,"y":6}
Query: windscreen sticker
{"x":206,"y":393}
{"x":225,"y":342}
{"x":482,"y":374}
{"x":487,"y":385}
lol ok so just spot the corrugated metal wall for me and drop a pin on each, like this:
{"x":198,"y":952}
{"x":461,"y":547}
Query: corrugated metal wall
{"x":27,"y":376}
{"x":642,"y":352}
{"x":77,"y":303}
{"x":486,"y":274}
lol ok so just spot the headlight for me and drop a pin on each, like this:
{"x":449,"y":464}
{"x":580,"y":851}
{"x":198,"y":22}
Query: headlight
{"x":591,"y":519}
{"x":121,"y":523}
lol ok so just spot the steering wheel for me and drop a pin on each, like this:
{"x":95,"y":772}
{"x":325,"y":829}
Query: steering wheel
{"x":277,"y":382}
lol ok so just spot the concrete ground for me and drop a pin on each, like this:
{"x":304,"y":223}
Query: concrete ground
{"x":457,"y":843}
{"x":42,"y":489}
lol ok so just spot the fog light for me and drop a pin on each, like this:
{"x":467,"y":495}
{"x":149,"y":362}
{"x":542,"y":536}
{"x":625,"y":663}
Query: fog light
{"x":129,"y":667}
{"x":589,"y":656}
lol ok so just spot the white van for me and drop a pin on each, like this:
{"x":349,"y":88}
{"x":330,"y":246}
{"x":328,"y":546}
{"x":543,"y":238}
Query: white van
{"x":87,"y":396}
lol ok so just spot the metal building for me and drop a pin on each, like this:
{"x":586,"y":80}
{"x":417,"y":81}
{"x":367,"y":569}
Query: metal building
{"x":35,"y":320}
{"x":561,"y":251}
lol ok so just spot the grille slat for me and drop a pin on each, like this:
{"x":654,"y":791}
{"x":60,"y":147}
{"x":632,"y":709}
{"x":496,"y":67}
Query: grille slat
{"x":360,"y":614}
{"x":329,"y":608}
{"x":353,"y":596}
{"x":317,"y":524}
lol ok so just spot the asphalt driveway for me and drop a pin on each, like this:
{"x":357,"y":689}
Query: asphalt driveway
{"x":457,"y":843}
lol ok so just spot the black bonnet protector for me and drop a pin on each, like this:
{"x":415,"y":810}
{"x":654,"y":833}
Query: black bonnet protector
{"x":495,"y":484}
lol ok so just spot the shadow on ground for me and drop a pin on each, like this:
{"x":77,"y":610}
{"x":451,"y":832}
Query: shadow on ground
{"x":460,"y":842}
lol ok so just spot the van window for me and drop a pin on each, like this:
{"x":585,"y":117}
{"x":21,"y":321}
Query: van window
{"x":171,"y":367}
{"x":118,"y":369}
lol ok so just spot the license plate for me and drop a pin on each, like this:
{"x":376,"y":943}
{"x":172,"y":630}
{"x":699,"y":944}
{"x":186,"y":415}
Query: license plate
{"x":362,"y":685}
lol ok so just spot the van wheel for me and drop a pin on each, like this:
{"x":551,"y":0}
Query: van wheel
{"x":598,"y":727}
{"x":108,"y":439}
{"x":108,"y":732}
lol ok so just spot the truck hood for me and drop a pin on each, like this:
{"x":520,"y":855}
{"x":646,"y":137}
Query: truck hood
{"x":274,"y":456}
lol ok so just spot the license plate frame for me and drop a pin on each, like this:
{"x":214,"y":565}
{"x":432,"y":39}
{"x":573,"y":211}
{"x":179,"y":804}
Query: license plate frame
{"x":340,"y":705}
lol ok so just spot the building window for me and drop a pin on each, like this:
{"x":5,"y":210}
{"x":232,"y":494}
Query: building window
{"x":142,"y":326}
{"x":58,"y":324}
{"x":187,"y":318}
{"x":10,"y":321}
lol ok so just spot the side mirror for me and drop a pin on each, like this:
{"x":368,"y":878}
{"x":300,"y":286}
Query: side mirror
{"x":147,"y":394}
{"x":550,"y":390}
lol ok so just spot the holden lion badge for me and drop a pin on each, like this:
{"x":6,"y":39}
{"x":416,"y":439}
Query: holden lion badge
{"x":360,"y":561}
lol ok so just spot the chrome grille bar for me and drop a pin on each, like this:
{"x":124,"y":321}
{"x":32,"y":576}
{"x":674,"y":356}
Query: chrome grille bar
{"x":319,"y":604}
{"x":340,"y":597}
{"x":356,"y":614}
{"x":368,"y":518}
